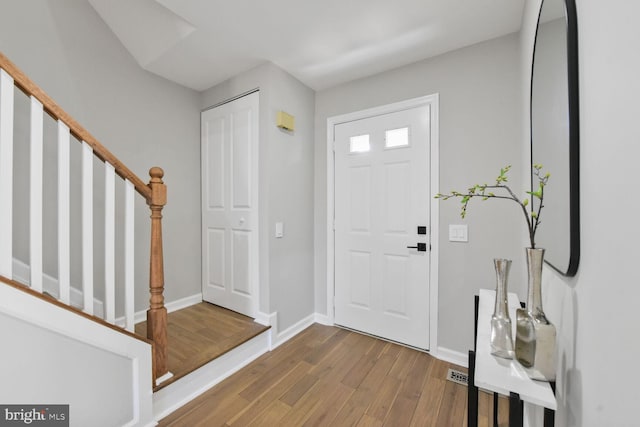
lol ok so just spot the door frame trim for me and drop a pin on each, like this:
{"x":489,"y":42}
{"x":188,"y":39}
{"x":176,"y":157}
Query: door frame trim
{"x":434,"y":159}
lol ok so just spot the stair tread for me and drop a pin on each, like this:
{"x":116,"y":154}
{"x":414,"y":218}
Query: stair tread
{"x":201,"y":333}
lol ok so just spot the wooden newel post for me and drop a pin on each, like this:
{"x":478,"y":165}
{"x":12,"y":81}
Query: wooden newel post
{"x":157,"y":313}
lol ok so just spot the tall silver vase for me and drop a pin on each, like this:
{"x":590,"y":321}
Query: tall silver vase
{"x":535,"y":335}
{"x":501,"y":330}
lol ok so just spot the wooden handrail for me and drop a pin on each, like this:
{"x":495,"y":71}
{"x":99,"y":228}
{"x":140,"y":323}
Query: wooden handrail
{"x":26,"y":85}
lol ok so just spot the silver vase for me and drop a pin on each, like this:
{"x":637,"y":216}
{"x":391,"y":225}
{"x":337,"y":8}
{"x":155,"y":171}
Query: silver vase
{"x":535,"y":335}
{"x":501,"y":330}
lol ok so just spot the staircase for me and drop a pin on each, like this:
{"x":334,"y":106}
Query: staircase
{"x":69,"y":303}
{"x":65,"y":302}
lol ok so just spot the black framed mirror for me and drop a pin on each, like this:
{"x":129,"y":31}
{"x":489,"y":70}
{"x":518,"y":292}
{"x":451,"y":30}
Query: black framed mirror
{"x":555,"y":132}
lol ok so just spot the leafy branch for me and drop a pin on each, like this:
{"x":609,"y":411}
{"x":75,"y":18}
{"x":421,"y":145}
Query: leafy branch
{"x":485,"y":192}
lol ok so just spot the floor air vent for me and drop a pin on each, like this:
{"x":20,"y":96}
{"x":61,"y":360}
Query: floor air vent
{"x":457,"y":377}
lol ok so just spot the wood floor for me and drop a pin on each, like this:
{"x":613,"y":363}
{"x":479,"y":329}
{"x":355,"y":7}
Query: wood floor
{"x":200,"y":333}
{"x":328,"y":376}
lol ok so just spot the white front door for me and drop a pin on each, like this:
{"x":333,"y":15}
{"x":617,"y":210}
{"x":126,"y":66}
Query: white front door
{"x":381,"y":198}
{"x":230,"y":205}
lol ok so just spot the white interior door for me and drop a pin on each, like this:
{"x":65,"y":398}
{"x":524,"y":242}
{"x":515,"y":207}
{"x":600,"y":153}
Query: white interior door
{"x":230,"y":205}
{"x":381,"y":198}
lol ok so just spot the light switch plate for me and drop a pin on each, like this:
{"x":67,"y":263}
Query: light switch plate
{"x":279,"y":230}
{"x":458,"y":233}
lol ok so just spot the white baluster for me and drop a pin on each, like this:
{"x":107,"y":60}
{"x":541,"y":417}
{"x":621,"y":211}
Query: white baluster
{"x":87,"y":227}
{"x":35,"y":195}
{"x":64,"y":221}
{"x":129,"y":256}
{"x":109,"y":243}
{"x":6,"y":174}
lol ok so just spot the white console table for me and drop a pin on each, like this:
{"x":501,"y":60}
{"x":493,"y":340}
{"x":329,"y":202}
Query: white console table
{"x":502,"y":376}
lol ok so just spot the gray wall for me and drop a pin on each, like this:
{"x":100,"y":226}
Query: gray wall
{"x":595,"y":312}
{"x":144,"y":120}
{"x":479,"y":133}
{"x":286,"y":189}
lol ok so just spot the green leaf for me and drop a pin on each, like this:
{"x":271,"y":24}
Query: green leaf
{"x":525,"y":202}
{"x":537,"y":194}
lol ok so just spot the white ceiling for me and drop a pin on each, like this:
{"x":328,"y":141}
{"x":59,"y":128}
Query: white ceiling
{"x":200,"y":43}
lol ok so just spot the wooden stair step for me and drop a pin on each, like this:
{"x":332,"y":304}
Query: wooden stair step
{"x":200,"y":333}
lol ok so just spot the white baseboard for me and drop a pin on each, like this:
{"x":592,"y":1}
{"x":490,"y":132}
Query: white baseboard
{"x":323,"y":319}
{"x":141,"y":316}
{"x":22,"y":274}
{"x":194,"y":384}
{"x":185,"y":302}
{"x":281,"y":337}
{"x":267,"y":319}
{"x":452,"y":356}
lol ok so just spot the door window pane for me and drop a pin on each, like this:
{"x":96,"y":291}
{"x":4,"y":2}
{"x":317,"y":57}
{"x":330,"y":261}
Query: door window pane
{"x":396,"y":138}
{"x":359,"y":144}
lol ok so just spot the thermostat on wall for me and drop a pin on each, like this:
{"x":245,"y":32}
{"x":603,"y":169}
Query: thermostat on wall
{"x":285,"y":121}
